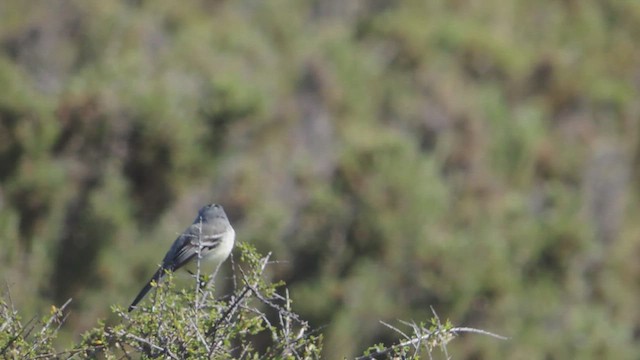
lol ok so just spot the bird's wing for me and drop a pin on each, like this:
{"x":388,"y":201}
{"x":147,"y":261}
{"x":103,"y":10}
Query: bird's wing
{"x":185,"y":247}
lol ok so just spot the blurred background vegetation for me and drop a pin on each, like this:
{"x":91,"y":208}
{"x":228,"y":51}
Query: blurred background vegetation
{"x":480,"y":157}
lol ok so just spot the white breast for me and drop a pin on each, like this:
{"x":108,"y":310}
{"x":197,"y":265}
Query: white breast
{"x":222,"y":251}
{"x":211,"y":259}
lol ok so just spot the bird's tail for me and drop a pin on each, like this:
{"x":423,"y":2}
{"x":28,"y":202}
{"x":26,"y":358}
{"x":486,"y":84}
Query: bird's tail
{"x":155,"y":278}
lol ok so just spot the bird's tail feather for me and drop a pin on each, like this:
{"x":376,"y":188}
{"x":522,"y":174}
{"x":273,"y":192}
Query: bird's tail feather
{"x":156,"y":277}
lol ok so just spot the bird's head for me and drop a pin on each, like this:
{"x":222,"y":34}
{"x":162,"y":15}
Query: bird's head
{"x":211,"y":211}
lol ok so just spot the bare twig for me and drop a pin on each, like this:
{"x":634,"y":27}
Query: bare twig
{"x":478,"y":331}
{"x":13,"y":339}
{"x":395,"y":329}
{"x":425,"y":336}
{"x":199,"y":258}
{"x":151,"y":345}
{"x":203,"y":341}
{"x":212,"y":331}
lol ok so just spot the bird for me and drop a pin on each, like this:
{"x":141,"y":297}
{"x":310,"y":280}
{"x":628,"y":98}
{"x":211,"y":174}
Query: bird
{"x":211,"y":232}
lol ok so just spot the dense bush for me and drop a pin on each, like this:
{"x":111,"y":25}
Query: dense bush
{"x":253,"y":322}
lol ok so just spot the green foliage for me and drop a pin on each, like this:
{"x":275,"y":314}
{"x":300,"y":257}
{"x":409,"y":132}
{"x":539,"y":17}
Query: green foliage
{"x":179,"y":324}
{"x":253,"y":322}
{"x":30,"y":340}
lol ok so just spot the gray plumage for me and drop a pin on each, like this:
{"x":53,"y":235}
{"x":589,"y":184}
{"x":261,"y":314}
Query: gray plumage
{"x":214,"y":232}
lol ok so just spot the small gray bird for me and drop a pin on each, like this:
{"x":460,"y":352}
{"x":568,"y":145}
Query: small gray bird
{"x":211,"y":230}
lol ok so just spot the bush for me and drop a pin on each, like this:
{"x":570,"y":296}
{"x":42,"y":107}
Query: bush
{"x":254,"y":322}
